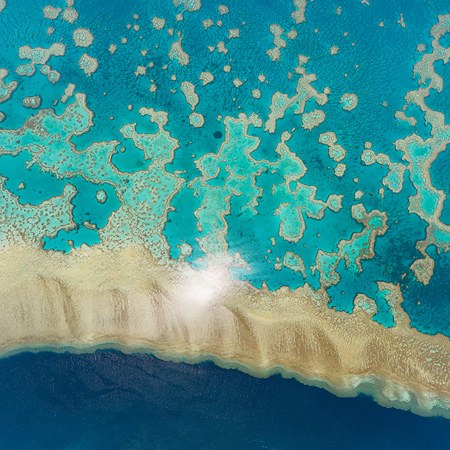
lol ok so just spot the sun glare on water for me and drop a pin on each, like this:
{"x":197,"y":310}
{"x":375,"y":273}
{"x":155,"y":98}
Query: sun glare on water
{"x":204,"y":287}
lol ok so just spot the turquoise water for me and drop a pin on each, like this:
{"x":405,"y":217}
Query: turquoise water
{"x":373,"y":62}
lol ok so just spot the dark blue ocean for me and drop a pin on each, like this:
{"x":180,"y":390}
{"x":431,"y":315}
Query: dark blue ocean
{"x":109,"y":400}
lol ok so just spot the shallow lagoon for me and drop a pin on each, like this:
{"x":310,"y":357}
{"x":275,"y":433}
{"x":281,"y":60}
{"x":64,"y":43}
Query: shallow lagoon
{"x":375,"y":62}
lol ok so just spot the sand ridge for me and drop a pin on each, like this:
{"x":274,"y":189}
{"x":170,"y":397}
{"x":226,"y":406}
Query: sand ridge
{"x":125,"y":299}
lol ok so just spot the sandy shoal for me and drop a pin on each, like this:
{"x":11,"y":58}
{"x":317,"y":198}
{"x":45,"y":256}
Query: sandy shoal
{"x":92,"y":298}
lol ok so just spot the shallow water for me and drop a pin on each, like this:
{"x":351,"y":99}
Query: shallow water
{"x":374,"y":62}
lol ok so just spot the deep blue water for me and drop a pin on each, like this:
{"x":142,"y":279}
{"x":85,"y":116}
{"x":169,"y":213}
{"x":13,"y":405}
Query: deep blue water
{"x":109,"y":400}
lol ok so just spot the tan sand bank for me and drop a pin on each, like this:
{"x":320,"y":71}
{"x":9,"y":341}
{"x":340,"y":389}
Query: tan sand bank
{"x":126,"y":300}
